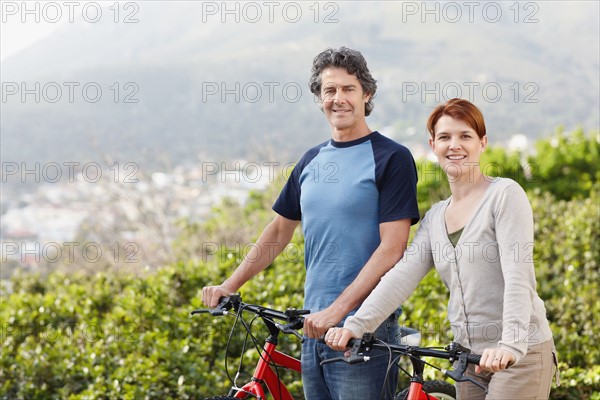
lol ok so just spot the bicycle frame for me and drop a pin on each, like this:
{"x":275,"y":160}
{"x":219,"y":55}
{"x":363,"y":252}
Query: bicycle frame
{"x":416,"y":392}
{"x":415,"y":389}
{"x":264,"y":374}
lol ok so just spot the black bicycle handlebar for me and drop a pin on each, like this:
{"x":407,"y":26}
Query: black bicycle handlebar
{"x":361,"y":348}
{"x":452,"y":351}
{"x":292,"y":316}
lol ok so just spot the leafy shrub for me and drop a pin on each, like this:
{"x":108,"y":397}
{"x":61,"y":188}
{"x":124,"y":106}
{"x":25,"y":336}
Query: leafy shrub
{"x":113,"y":335}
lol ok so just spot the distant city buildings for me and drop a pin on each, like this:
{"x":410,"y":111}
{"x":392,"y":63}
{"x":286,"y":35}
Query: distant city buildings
{"x":123,"y":216}
{"x":60,"y":221}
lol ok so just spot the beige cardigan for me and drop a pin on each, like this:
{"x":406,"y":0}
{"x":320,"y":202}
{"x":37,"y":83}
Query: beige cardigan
{"x":490,"y":275}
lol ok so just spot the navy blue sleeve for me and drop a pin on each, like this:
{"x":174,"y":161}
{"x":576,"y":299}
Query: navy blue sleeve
{"x":288,"y":203}
{"x":396,"y":177}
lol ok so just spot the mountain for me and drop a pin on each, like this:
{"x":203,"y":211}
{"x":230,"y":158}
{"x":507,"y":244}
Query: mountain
{"x":196,"y":81}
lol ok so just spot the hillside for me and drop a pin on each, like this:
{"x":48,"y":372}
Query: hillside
{"x":177,"y":68}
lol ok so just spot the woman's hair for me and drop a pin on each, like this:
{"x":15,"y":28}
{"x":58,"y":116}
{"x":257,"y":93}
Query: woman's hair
{"x":353,"y":62}
{"x":459,"y":109}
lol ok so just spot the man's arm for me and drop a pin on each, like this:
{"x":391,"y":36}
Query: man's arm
{"x":394,"y":238}
{"x":269,"y":245}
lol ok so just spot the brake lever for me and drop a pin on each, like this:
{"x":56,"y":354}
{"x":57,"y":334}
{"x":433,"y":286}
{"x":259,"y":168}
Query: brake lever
{"x":287,"y":328}
{"x":458,"y":373}
{"x":212,"y":311}
{"x":353,"y":359}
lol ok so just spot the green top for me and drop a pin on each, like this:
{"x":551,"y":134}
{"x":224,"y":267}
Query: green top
{"x":454,"y":236}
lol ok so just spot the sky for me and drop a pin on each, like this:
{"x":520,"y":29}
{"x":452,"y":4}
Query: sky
{"x":24,"y":23}
{"x":20,"y":29}
{"x":16,"y":37}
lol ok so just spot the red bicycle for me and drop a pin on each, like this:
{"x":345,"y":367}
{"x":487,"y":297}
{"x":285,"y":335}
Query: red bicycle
{"x":418,"y":388}
{"x":266,"y":377}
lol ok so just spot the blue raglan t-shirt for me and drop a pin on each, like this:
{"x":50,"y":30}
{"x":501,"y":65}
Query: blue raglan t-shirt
{"x":342,"y":191}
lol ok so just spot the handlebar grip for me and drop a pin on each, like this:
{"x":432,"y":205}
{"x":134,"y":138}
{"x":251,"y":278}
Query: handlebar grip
{"x":298,"y":323}
{"x":354,"y":347}
{"x":223,"y":301}
{"x":364,"y":343}
{"x":474,"y":359}
{"x":220,"y":309}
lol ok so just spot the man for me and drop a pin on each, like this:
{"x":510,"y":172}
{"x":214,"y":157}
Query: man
{"x":356,"y":197}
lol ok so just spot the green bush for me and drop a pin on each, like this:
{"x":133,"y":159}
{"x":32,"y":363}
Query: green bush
{"x":112,"y":336}
{"x":567,"y":254}
{"x":566,"y":165}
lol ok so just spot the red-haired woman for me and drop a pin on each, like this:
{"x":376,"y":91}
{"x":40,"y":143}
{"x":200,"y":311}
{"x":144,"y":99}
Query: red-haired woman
{"x":480,"y":240}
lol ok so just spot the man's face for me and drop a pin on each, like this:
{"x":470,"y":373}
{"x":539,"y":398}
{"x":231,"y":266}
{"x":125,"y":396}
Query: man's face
{"x":342,"y":98}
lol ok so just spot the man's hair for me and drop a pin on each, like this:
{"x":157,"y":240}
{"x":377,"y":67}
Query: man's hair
{"x":460,"y":109}
{"x":353,"y":62}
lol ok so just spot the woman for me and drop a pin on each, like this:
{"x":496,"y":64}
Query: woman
{"x":480,"y":240}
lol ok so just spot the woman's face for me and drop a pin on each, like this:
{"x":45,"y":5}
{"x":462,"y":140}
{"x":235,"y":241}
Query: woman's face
{"x":457,"y":147}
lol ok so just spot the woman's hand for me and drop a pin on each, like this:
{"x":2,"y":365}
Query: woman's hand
{"x":494,"y":360}
{"x":337,"y":338}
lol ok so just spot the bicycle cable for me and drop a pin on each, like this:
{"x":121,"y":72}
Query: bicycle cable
{"x":396,"y":360}
{"x":247,"y":327}
{"x":271,"y":363}
{"x":257,"y":344}
{"x":384,"y":389}
{"x":425,"y":362}
{"x":237,"y":317}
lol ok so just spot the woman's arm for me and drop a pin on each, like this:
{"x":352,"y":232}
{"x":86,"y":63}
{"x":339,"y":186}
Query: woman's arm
{"x":514,"y":234}
{"x":393,"y":289}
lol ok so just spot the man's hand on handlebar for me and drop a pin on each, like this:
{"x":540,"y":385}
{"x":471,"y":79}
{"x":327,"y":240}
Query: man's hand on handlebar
{"x":337,"y":338}
{"x":212,"y":294}
{"x":317,"y":324}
